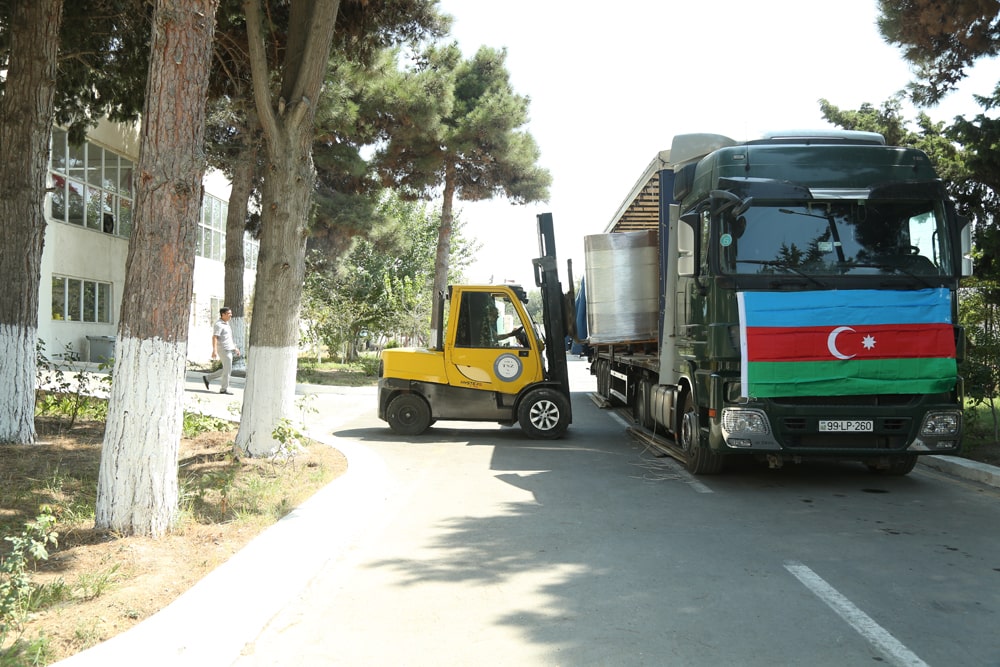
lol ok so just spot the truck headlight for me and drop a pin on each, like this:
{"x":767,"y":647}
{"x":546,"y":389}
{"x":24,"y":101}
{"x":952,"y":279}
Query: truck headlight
{"x":941,"y":424}
{"x":743,"y":421}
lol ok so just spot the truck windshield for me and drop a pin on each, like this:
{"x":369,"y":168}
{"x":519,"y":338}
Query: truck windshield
{"x":837,"y":237}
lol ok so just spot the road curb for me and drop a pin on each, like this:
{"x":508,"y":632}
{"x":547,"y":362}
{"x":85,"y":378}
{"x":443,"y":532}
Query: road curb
{"x":964,"y":468}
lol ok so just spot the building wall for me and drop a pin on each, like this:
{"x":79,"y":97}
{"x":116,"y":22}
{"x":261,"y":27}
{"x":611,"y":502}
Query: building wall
{"x":74,"y":252}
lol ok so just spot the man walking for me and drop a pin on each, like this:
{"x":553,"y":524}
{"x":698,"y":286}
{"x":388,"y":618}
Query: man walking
{"x":223,"y":347}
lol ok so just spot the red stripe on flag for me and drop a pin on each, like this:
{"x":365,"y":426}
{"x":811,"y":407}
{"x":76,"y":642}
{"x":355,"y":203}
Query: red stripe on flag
{"x":887,"y":341}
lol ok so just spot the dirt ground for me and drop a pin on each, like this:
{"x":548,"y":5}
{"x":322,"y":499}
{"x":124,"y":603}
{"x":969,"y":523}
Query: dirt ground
{"x":117,"y":582}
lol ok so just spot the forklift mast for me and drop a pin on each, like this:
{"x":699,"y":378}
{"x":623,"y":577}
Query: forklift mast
{"x":547,"y":280}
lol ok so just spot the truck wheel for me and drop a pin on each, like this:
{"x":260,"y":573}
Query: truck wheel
{"x":544,"y":414}
{"x":701,"y":459}
{"x":897,"y":467}
{"x":408,"y":414}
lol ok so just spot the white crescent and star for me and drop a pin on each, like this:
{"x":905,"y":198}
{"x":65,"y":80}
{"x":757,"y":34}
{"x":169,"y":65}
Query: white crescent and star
{"x":831,"y":343}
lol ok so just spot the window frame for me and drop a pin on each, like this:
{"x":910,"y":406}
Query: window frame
{"x":91,"y":186}
{"x":81,"y":300}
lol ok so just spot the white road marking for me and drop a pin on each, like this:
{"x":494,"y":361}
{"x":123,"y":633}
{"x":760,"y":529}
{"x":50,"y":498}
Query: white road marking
{"x":879,"y":637}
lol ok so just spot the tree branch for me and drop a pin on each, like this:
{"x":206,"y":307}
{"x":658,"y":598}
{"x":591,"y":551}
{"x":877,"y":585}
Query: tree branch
{"x":259,"y":69}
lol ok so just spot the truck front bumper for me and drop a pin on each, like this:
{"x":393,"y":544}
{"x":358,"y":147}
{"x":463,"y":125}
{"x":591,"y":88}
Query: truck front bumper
{"x":934,"y":430}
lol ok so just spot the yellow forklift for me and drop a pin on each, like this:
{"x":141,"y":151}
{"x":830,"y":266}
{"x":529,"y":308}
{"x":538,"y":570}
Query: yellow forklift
{"x":491,"y":361}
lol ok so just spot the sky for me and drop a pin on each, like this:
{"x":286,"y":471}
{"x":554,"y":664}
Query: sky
{"x":610,"y":84}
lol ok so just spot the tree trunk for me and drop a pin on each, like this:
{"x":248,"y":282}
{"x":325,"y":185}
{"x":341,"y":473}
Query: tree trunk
{"x":441,"y":259}
{"x":996,"y":420}
{"x":288,"y":125}
{"x":137,"y":482}
{"x":26,"y":111}
{"x":274,"y":333}
{"x":243,"y":181}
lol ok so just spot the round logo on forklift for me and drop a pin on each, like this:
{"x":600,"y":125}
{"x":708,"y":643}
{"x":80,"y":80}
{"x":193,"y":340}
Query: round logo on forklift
{"x":507,"y":368}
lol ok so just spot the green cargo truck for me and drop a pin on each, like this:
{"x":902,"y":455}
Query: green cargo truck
{"x":787,"y":298}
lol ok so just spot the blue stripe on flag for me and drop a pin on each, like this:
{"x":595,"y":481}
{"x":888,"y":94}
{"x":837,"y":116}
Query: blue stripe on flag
{"x":844,"y":307}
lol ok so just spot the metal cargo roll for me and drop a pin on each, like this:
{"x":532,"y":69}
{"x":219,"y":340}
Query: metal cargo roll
{"x":622,"y":286}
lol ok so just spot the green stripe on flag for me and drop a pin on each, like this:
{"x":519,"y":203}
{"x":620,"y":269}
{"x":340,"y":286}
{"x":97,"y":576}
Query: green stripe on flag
{"x":854,"y":377}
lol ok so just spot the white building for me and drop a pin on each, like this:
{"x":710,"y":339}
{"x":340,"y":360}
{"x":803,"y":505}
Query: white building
{"x":90,"y":213}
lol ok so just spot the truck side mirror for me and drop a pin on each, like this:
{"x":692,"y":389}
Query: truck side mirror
{"x":966,"y":237}
{"x":687,"y":245}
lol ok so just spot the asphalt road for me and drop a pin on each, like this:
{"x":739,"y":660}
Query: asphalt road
{"x":477,"y":546}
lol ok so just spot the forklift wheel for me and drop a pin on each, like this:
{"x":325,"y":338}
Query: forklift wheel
{"x":544,"y":414}
{"x":408,"y":414}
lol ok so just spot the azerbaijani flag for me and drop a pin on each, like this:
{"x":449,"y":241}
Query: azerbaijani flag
{"x":846,"y":342}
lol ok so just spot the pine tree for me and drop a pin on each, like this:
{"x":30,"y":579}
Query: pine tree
{"x":469,"y":142}
{"x":137,"y":485}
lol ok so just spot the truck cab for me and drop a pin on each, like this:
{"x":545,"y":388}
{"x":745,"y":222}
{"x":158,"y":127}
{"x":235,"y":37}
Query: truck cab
{"x":491,"y":363}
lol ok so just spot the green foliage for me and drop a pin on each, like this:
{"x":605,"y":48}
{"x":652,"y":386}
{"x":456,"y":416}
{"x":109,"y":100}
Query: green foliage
{"x":979,"y":428}
{"x":468,"y":144}
{"x":196,"y":423}
{"x":979,"y":312}
{"x":381,"y":288}
{"x":370,"y":365}
{"x":468,"y":136}
{"x":290,"y":438}
{"x":977,"y":193}
{"x":940,"y":39}
{"x":207,"y":494}
{"x":69,"y":391}
{"x":27,"y":653}
{"x":16,"y":587}
{"x":104,"y":50}
{"x":259,"y":496}
{"x":335,"y":373}
{"x":93,"y":584}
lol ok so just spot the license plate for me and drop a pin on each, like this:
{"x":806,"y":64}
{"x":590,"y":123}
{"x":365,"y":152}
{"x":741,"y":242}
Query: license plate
{"x":847,"y":425}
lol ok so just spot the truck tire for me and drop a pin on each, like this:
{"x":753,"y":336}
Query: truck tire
{"x":898,"y":466}
{"x":700,"y":459}
{"x":544,"y":414}
{"x":408,"y":414}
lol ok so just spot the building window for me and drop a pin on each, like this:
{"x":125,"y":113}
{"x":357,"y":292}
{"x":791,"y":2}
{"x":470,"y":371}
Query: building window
{"x":212,"y":228}
{"x":76,"y":300}
{"x":212,"y":234}
{"x":91,"y":186}
{"x":251,"y":249}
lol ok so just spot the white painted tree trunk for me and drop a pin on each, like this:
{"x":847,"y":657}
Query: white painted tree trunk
{"x":17,"y":376}
{"x":287,"y":121}
{"x":137,"y":485}
{"x":268,"y":399}
{"x":26,"y":110}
